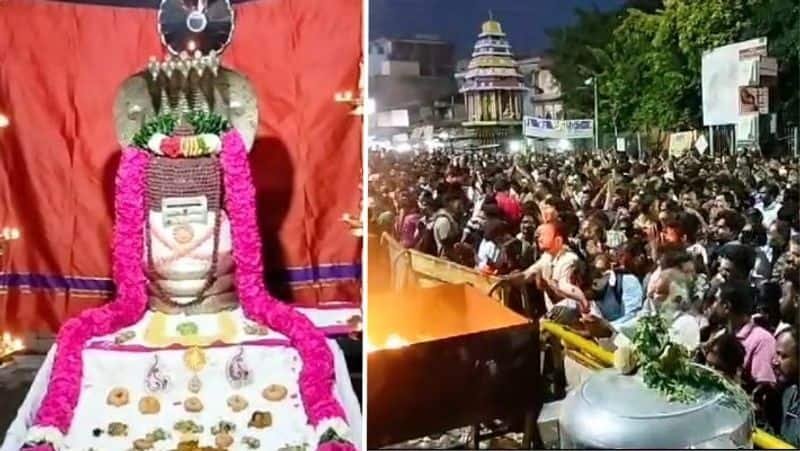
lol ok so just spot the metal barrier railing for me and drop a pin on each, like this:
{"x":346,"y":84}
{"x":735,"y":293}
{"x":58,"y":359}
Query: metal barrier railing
{"x":592,"y":355}
{"x":408,"y":266}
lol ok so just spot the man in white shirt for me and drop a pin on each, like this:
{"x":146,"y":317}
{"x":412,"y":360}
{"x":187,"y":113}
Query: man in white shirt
{"x":490,"y":249}
{"x":667,"y":295}
{"x":769,"y":205}
{"x":554,"y":269}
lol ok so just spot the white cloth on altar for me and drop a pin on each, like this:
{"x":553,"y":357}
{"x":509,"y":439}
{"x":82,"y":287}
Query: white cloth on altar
{"x":287,"y":415}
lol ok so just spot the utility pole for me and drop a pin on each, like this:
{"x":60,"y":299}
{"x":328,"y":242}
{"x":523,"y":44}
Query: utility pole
{"x":596,"y":110}
{"x":593,"y":81}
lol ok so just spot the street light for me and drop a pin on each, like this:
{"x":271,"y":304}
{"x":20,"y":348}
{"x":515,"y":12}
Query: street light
{"x":593,"y":81}
{"x":444,"y":136}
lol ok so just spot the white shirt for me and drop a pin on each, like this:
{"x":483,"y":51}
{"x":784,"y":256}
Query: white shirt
{"x":488,"y":252}
{"x":558,"y":268}
{"x":698,"y":249}
{"x":442,"y":229}
{"x":781,"y":327}
{"x":683,"y":330}
{"x":770,"y":213}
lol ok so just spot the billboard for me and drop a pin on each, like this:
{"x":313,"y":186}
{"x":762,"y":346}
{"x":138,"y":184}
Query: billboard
{"x":393,"y":118}
{"x":423,"y":133}
{"x":680,"y":143}
{"x":724,"y":70}
{"x":535,"y":127}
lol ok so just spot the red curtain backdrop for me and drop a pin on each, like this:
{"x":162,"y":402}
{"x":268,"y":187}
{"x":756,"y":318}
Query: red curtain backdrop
{"x":60,"y":67}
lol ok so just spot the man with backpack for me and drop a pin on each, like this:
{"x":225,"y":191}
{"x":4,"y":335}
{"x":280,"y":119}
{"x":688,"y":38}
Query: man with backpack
{"x":444,"y":230}
{"x":619,"y":294}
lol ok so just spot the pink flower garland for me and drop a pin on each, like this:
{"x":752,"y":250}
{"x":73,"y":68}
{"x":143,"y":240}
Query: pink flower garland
{"x":317,"y":376}
{"x":128,"y":307}
{"x":335,"y":446}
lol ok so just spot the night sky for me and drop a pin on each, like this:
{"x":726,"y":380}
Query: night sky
{"x":459,"y":21}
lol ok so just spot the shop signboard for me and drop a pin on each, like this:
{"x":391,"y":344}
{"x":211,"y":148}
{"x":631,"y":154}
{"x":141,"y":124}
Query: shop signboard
{"x":535,"y":127}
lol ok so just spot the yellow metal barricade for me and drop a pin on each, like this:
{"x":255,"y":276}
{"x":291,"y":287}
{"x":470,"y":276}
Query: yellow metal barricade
{"x":399,"y":262}
{"x":586,"y":348}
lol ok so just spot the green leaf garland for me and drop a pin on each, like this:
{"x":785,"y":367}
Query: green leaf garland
{"x":163,"y":124}
{"x":330,"y":435}
{"x":207,"y":122}
{"x":202,"y":122}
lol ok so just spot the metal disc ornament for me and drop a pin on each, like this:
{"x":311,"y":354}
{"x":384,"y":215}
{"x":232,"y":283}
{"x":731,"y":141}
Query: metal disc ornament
{"x":195,"y":25}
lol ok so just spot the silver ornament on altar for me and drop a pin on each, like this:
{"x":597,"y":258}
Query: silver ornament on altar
{"x":195,"y":384}
{"x":237,"y":371}
{"x":156,"y":381}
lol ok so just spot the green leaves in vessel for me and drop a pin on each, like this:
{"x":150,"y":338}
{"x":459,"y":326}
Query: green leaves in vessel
{"x":668,"y":368}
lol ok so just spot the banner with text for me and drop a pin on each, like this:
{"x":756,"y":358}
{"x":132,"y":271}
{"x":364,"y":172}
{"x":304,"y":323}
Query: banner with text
{"x":535,"y":127}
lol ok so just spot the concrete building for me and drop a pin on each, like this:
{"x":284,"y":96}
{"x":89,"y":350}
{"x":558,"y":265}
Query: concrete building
{"x":544,"y":98}
{"x":422,"y":56}
{"x":414,"y":76}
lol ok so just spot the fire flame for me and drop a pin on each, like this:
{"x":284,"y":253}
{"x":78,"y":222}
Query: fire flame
{"x":393,"y":342}
{"x":396,"y":342}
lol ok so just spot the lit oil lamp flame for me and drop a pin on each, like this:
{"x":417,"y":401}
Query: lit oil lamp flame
{"x":355,"y":224}
{"x":9,"y":233}
{"x":356,"y":102}
{"x":343,"y":97}
{"x":10,"y":344}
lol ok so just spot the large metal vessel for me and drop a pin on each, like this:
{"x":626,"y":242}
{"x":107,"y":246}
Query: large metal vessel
{"x":446,"y":357}
{"x":613,"y":411}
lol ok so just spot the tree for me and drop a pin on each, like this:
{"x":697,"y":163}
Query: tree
{"x":648,"y":61}
{"x":779,"y":21}
{"x":573,"y":60}
{"x":574,"y":51}
{"x":644,"y":80}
